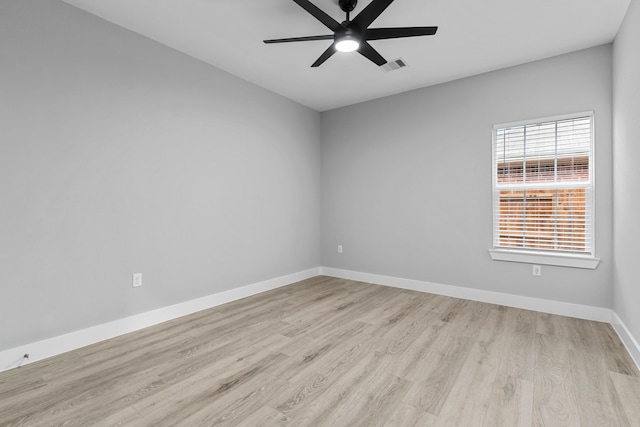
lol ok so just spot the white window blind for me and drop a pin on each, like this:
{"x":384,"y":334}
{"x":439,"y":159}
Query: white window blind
{"x":543,"y":186}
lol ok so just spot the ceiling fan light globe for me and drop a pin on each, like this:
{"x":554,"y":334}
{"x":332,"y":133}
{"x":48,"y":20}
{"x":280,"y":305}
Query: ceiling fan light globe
{"x":347,"y":45}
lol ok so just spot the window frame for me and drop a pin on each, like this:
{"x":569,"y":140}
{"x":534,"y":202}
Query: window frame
{"x":546,"y":257}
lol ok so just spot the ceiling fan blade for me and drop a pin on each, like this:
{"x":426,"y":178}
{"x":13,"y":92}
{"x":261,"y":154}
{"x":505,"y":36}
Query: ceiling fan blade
{"x":300,"y":39}
{"x":370,"y":13}
{"x":396,"y":33}
{"x":326,"y":55}
{"x":371,"y":54}
{"x":320,"y":15}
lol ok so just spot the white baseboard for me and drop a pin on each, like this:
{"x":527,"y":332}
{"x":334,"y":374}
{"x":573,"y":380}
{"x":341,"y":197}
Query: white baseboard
{"x":627,"y":339}
{"x":13,"y":357}
{"x":546,"y":306}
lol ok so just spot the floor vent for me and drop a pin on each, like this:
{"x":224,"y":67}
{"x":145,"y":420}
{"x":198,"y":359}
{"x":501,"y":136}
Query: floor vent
{"x":394,"y":65}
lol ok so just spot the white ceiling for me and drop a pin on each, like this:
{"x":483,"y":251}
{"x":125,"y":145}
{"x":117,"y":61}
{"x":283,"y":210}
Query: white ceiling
{"x":474,"y":36}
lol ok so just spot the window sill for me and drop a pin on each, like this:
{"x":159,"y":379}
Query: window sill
{"x":574,"y":261}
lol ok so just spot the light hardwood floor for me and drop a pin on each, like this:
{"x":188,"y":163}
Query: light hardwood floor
{"x":332,"y":352}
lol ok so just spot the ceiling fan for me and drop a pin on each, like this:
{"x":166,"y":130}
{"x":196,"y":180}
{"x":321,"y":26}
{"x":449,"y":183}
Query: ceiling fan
{"x":353,"y":35}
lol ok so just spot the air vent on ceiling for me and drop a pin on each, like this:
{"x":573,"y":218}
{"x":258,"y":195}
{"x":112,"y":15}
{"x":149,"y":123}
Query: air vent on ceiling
{"x":394,"y":65}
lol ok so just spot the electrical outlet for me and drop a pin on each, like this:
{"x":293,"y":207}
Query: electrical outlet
{"x":339,"y":249}
{"x":137,"y":280}
{"x":537,"y":270}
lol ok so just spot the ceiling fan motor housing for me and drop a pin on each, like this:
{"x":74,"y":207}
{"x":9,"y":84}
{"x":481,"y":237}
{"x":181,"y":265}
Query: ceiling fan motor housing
{"x":348,"y":5}
{"x":348,"y":32}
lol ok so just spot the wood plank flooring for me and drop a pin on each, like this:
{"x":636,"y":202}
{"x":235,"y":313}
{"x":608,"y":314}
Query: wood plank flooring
{"x":333,"y":352}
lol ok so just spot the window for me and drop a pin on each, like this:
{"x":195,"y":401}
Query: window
{"x":543,"y":191}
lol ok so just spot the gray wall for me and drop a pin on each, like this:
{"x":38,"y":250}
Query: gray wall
{"x":406,"y":180}
{"x":626,"y":196}
{"x":119,"y":155}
